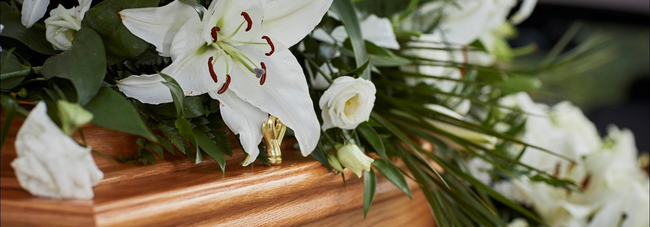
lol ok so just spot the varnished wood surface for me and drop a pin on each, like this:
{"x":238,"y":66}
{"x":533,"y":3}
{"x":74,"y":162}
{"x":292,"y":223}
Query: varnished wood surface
{"x":176,"y":192}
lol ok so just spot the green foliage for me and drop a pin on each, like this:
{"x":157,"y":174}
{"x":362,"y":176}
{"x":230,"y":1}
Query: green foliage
{"x":33,"y":37}
{"x":111,"y":110}
{"x":393,"y":174}
{"x":369,"y":187}
{"x":347,"y":12}
{"x":83,"y":64}
{"x":12,"y":71}
{"x":120,"y":44}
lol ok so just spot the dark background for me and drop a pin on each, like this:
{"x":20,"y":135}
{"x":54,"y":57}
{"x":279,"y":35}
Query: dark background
{"x":615,"y":91}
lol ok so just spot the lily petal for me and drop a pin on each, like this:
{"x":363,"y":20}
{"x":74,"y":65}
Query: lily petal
{"x":32,"y":11}
{"x":284,"y":94}
{"x":241,"y":19}
{"x":146,"y":88}
{"x":243,"y":119}
{"x":465,"y":21}
{"x":289,"y":21}
{"x":158,"y":25}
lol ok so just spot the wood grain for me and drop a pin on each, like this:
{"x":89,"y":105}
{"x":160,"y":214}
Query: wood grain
{"x":176,"y":192}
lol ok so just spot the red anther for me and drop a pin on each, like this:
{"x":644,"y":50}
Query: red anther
{"x":249,"y":22}
{"x":224,"y":87}
{"x":213,"y":32}
{"x":263,"y":79}
{"x":212,"y":73}
{"x":268,"y":40}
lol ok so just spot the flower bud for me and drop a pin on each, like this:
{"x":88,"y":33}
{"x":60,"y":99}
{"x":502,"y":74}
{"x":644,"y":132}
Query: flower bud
{"x":334,"y":162}
{"x":353,"y":158}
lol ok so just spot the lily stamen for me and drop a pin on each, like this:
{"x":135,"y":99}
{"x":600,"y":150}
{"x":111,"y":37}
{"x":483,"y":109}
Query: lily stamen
{"x":211,"y":69}
{"x":268,"y":40}
{"x":263,"y":79}
{"x":214,"y":33}
{"x":249,"y":22}
{"x":224,"y":87}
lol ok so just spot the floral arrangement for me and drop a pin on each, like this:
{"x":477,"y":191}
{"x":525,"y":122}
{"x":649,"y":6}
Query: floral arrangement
{"x":424,"y":90}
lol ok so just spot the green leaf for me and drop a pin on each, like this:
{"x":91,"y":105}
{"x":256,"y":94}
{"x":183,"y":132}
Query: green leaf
{"x":10,"y":107}
{"x":348,"y":15}
{"x":369,"y":186}
{"x":120,"y":43}
{"x":380,"y":56}
{"x":208,"y":146}
{"x":177,"y":94}
{"x":84,"y":64}
{"x":111,"y":110}
{"x":393,"y":174}
{"x":518,"y":84}
{"x":9,"y":64}
{"x":359,"y":70}
{"x":370,"y":135}
{"x":193,"y":107}
{"x":33,"y":37}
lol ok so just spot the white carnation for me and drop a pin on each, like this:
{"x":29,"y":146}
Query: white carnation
{"x":50,"y":163}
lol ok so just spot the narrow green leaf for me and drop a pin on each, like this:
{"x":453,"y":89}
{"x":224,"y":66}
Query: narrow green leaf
{"x":393,"y":174}
{"x":84,"y":65}
{"x":9,"y":106}
{"x":369,"y":186}
{"x":120,"y":43}
{"x":348,"y":14}
{"x":177,"y":94}
{"x":111,"y":110}
{"x":370,"y":135}
{"x":208,"y":146}
{"x":33,"y":37}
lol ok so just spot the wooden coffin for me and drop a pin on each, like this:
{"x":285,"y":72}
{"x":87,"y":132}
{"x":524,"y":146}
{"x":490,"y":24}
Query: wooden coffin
{"x":177,"y":192}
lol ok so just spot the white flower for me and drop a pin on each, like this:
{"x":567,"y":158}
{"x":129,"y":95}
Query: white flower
{"x":238,"y":54}
{"x":32,"y":11}
{"x":63,"y":24}
{"x":465,"y":20}
{"x":50,"y":163}
{"x":347,"y":103}
{"x":479,"y":169}
{"x":353,"y":158}
{"x":476,"y":137}
{"x":617,"y":185}
{"x":373,"y":29}
{"x":518,"y":222}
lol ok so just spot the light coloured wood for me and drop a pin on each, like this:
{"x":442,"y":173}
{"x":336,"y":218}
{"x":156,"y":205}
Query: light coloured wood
{"x":176,"y":192}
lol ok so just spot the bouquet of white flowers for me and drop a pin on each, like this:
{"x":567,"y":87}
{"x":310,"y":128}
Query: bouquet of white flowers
{"x":409,"y":89}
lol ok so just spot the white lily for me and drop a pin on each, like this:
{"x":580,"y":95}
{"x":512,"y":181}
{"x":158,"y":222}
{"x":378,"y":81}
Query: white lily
{"x":238,"y":54}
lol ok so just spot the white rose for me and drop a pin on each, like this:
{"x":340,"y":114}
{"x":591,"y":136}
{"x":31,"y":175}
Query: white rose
{"x":347,"y":103}
{"x":351,"y":157}
{"x":50,"y":163}
{"x":63,"y":24}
